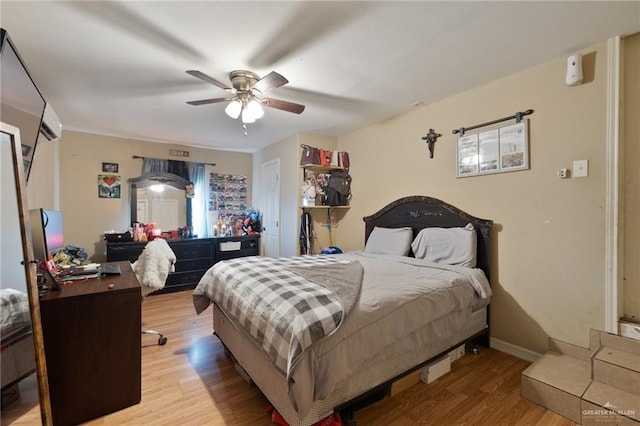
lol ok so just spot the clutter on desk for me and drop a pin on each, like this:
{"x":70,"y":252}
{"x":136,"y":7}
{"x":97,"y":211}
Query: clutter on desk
{"x":70,"y":255}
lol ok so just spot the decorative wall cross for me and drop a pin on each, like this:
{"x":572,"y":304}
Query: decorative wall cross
{"x":431,"y":139}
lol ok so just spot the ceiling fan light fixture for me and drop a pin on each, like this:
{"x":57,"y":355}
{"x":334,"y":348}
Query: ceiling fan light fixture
{"x":246,"y":102}
{"x":234,"y":109}
{"x":255,"y":108}
{"x":247,"y":116}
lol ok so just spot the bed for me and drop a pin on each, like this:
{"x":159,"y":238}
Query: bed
{"x":376,"y":324}
{"x":16,"y":338}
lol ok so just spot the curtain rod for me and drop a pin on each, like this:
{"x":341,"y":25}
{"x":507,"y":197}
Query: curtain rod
{"x":135,"y":157}
{"x":517,"y":116}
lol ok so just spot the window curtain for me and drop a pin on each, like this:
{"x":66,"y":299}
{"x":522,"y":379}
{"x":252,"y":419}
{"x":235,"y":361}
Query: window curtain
{"x":154,"y":165}
{"x":199,"y":201}
{"x":179,"y":168}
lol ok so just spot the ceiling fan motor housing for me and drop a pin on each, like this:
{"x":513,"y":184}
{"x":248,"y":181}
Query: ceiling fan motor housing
{"x":243,"y":80}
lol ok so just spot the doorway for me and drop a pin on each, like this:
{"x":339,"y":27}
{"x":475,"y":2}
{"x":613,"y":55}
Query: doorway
{"x":270,"y":194}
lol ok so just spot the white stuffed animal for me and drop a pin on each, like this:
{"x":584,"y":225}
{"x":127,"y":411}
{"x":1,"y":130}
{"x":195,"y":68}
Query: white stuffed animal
{"x":154,"y":265}
{"x":309,"y":189}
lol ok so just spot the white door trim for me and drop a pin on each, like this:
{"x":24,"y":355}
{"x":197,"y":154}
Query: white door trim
{"x":265,"y":193}
{"x":612,"y":209}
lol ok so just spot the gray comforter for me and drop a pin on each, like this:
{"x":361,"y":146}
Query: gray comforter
{"x":398,"y":296}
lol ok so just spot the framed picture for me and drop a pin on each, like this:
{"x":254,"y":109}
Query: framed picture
{"x":513,"y":147}
{"x":108,"y":186}
{"x":498,"y":150}
{"x":468,"y":155}
{"x":110,"y":167}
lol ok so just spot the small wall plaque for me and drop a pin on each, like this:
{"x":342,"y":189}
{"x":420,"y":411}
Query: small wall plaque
{"x":178,"y":153}
{"x":110,"y":167}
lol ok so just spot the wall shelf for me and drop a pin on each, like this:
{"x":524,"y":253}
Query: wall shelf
{"x":316,"y":168}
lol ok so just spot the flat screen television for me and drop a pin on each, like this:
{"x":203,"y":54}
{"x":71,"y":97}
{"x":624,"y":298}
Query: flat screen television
{"x":46,"y":232}
{"x":21,"y":103}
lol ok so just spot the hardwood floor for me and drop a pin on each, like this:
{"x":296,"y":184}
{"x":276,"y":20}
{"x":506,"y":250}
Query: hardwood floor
{"x":189,"y":381}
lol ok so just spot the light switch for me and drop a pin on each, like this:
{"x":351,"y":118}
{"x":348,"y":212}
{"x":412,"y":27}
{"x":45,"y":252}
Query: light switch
{"x":580,"y":168}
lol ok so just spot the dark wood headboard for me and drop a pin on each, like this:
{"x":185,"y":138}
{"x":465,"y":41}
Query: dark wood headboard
{"x":420,"y":212}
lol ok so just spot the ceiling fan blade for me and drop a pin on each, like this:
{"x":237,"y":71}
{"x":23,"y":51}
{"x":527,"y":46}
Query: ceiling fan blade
{"x":208,"y":79}
{"x":270,"y":81}
{"x":207,"y":101}
{"x":283,"y":105}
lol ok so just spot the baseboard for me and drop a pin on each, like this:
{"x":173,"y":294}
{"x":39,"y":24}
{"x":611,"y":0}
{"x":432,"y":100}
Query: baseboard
{"x":511,"y":349}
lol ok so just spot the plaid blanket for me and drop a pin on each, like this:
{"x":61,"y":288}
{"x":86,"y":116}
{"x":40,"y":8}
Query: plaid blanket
{"x":284,"y":311}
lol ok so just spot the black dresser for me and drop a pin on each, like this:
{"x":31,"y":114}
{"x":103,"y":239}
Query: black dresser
{"x":193,"y":256}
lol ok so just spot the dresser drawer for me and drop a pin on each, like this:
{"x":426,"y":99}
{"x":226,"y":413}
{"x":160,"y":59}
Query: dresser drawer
{"x":230,"y":248}
{"x":192,"y":249}
{"x":193,"y":264}
{"x":129,"y":252}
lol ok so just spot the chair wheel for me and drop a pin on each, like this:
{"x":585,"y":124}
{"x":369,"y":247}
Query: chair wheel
{"x":162,"y":340}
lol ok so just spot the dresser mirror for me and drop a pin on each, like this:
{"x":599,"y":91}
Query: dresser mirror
{"x":162,"y":199}
{"x":18,"y":278}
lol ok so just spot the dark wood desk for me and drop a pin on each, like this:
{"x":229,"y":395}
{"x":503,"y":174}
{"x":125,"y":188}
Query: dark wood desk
{"x":93,"y":346}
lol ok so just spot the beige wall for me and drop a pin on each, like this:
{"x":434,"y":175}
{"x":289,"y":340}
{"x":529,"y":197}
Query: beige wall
{"x":285,"y":151}
{"x":288,"y":151}
{"x":549,"y":235}
{"x":631,"y":179}
{"x":87,"y":217}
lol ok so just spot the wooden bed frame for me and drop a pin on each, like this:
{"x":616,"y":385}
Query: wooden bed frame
{"x":417,"y":212}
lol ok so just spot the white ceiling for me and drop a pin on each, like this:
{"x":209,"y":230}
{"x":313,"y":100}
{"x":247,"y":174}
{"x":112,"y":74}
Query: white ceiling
{"x":118,"y":68}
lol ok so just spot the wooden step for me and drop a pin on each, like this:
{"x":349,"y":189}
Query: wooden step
{"x":617,"y":368}
{"x":594,"y":386}
{"x":619,"y":342}
{"x":605,"y":404}
{"x":557,"y":382}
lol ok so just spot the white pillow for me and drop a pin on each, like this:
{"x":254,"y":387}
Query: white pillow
{"x":396,"y":241}
{"x":453,"y":246}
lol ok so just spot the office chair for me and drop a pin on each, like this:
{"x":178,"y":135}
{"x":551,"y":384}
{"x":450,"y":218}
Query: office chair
{"x":152,"y":269}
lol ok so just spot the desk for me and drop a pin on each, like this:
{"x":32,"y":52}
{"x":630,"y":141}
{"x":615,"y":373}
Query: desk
{"x":93,"y":346}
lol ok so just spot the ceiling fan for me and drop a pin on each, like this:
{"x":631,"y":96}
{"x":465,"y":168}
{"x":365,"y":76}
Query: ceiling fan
{"x":248,"y":89}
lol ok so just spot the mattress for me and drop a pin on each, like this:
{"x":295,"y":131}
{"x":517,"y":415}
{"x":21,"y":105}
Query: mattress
{"x":17,"y":355}
{"x":383,"y":367}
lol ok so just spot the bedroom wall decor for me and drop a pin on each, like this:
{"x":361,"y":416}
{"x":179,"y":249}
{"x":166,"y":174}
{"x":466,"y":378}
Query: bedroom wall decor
{"x":431,"y":138}
{"x":108,"y":186}
{"x":497,"y":150}
{"x":110,"y":167}
{"x":227,"y":194}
